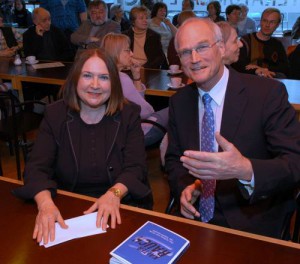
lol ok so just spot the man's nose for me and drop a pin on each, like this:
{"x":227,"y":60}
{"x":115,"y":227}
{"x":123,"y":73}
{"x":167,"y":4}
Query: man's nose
{"x":195,"y":56}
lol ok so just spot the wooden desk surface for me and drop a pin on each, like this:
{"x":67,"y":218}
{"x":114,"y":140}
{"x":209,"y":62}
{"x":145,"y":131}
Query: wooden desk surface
{"x":209,"y":244}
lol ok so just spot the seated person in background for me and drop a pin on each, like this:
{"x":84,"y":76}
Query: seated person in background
{"x":89,"y":35}
{"x":162,"y":25}
{"x":238,"y":134}
{"x":173,"y":58}
{"x":233,"y":13}
{"x":145,"y":43}
{"x":118,"y":47}
{"x":231,"y":41}
{"x":294,"y":60}
{"x":21,"y":15}
{"x":187,"y":5}
{"x":91,"y":143}
{"x":117,"y":15}
{"x":66,"y":15}
{"x":296,"y":29}
{"x":44,"y":40}
{"x":246,"y":25}
{"x":261,"y":53}
{"x":10,"y":40}
{"x":214,"y":11}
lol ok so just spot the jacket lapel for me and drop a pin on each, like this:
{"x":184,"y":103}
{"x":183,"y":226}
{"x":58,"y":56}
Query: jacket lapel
{"x":235,"y":103}
{"x":112,"y":129}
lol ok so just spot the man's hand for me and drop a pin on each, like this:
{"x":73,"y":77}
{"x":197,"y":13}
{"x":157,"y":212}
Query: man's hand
{"x":188,"y":198}
{"x":229,"y":164}
{"x":39,"y":30}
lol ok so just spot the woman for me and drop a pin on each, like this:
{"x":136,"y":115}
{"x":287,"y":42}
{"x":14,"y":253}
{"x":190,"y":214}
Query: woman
{"x":145,"y":43}
{"x":117,"y":14}
{"x":118,"y":47}
{"x":10,"y":40}
{"x":231,"y":41}
{"x":91,"y":143}
{"x":21,"y":15}
{"x":162,"y":25}
{"x":214,"y":11}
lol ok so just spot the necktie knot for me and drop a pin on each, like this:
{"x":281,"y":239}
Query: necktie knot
{"x":206,"y":99}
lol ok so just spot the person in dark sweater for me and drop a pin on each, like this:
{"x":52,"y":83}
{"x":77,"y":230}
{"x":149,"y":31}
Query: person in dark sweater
{"x":263,"y":54}
{"x":44,"y":40}
{"x":21,"y":15}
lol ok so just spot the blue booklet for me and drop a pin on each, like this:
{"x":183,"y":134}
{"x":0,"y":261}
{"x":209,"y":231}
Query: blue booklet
{"x":151,"y":243}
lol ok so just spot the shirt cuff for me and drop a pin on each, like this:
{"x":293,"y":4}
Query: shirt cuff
{"x":249,"y":186}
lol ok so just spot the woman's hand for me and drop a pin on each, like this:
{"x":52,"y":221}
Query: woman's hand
{"x":108,"y":206}
{"x":135,"y":68}
{"x":265,"y":72}
{"x":47,"y":216}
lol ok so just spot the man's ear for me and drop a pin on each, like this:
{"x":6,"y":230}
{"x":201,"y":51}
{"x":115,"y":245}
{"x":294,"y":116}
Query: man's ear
{"x":221,"y":46}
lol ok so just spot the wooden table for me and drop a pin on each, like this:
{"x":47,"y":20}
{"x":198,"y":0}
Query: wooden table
{"x":208,"y":243}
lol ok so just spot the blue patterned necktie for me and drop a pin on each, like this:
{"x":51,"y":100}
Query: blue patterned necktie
{"x":207,"y":199}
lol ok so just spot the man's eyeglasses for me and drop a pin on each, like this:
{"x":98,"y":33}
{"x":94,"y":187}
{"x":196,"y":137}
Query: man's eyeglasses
{"x":201,"y":49}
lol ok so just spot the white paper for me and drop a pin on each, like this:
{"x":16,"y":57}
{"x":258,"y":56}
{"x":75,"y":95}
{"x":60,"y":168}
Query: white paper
{"x":47,"y":65}
{"x":80,"y":226}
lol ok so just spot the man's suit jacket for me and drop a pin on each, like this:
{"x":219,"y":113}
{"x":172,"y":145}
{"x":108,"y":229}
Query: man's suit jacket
{"x":81,"y":35}
{"x":260,"y":122}
{"x":55,"y":157}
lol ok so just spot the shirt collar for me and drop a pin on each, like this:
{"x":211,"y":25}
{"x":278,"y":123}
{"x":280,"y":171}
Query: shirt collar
{"x":217,"y":93}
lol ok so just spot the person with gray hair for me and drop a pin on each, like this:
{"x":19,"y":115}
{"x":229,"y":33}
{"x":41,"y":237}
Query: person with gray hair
{"x":231,"y":41}
{"x":233,"y":153}
{"x":117,"y":14}
{"x":246,"y":24}
{"x":90,"y":33}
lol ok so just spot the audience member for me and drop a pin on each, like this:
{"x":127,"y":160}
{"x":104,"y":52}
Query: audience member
{"x":246,"y":25}
{"x":90,"y":143}
{"x":6,"y":8}
{"x":10,"y":40}
{"x":249,"y":184}
{"x":296,"y":29}
{"x":161,"y":24}
{"x":21,"y":15}
{"x":44,"y":40}
{"x":233,"y":13}
{"x":66,"y":15}
{"x":214,"y":11}
{"x":117,"y":14}
{"x":89,"y":35}
{"x":231,"y":41}
{"x":294,"y":60}
{"x":263,"y":54}
{"x":187,"y":5}
{"x":118,"y":47}
{"x":173,"y":58}
{"x":145,"y":43}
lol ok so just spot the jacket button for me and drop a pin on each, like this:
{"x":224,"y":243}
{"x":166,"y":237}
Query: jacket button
{"x":110,"y":168}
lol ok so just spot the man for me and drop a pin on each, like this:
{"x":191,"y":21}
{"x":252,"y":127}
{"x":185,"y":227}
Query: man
{"x":65,"y":13}
{"x":246,"y":24}
{"x":233,"y":14}
{"x":248,"y":185}
{"x":90,"y":33}
{"x":187,"y":5}
{"x":44,"y":40}
{"x":263,"y":54}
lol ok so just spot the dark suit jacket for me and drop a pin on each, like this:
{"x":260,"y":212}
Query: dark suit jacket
{"x":54,"y":160}
{"x":153,"y":49}
{"x":258,"y":119}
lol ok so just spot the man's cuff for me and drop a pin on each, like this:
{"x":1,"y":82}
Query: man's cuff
{"x":249,"y":185}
